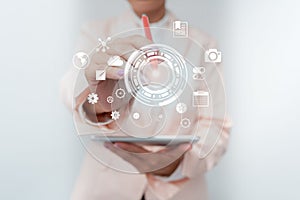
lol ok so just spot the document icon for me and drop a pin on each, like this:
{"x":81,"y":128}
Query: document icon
{"x":201,"y":99}
{"x":100,"y":75}
{"x":180,"y":29}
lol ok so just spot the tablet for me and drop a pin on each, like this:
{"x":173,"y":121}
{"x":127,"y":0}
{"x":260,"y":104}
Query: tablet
{"x":156,"y":140}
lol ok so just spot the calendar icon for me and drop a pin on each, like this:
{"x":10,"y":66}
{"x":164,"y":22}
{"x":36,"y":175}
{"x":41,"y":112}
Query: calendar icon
{"x":180,"y":29}
{"x":201,"y":99}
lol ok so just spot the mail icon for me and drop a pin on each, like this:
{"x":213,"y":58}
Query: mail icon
{"x":100,"y":75}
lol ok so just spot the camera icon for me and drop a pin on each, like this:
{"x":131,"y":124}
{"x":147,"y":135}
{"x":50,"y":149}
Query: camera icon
{"x":213,"y":56}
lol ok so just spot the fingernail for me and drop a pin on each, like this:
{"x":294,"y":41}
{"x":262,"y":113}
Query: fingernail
{"x":121,"y":72}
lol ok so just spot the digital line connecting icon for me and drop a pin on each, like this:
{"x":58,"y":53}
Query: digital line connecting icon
{"x":103,"y":44}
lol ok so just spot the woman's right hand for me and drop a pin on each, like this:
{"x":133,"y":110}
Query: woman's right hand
{"x":122,"y":47}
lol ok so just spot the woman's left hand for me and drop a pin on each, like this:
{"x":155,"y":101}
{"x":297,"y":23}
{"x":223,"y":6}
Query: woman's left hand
{"x":150,"y":162}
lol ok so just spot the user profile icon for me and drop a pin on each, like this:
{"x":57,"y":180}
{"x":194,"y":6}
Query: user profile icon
{"x":80,"y":60}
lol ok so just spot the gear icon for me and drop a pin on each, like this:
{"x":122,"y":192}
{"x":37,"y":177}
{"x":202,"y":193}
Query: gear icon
{"x":115,"y":115}
{"x":93,"y":98}
{"x":120,"y":93}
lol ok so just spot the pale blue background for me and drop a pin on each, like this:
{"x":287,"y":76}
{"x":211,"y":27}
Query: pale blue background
{"x":39,"y":153}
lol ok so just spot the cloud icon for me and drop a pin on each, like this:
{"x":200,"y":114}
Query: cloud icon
{"x":115,"y":61}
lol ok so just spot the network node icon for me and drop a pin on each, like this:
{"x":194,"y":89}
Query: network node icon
{"x":115,"y":115}
{"x":80,"y":60}
{"x":93,"y":98}
{"x":103,"y":44}
{"x":120,"y":93}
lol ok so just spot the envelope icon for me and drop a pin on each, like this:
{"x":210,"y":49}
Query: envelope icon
{"x":100,"y":75}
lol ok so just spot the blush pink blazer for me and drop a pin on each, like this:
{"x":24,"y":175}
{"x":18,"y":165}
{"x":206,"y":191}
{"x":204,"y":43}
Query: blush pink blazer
{"x":98,"y":182}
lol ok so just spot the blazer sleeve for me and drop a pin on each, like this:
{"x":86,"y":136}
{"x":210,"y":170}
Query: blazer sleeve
{"x":74,"y":87}
{"x":215,"y":128}
{"x":87,"y":40}
{"x":204,"y":155}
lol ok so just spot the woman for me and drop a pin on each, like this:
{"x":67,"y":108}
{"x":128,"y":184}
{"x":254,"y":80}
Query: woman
{"x":183,"y":178}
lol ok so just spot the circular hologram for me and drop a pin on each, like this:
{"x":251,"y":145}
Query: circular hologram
{"x":155,"y":75}
{"x":156,"y":100}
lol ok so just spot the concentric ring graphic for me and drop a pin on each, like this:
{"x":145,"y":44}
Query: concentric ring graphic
{"x":148,"y":88}
{"x":166,"y":103}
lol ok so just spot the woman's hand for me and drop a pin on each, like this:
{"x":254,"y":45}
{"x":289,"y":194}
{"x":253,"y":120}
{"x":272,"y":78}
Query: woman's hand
{"x":150,"y":162}
{"x":122,"y":47}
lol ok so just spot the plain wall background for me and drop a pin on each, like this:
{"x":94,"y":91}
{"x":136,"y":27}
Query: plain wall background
{"x":40,"y":154}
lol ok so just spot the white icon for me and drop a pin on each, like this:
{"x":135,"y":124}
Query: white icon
{"x":100,"y":75}
{"x":115,"y":61}
{"x":93,"y":98}
{"x":185,"y":123}
{"x":181,"y":108}
{"x":180,"y":29}
{"x":213,"y":56}
{"x":198,"y":73}
{"x":115,"y":115}
{"x":110,"y":99}
{"x":80,"y":60}
{"x":103,"y":44}
{"x":120,"y":93}
{"x":136,"y":115}
{"x":201,"y":99}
